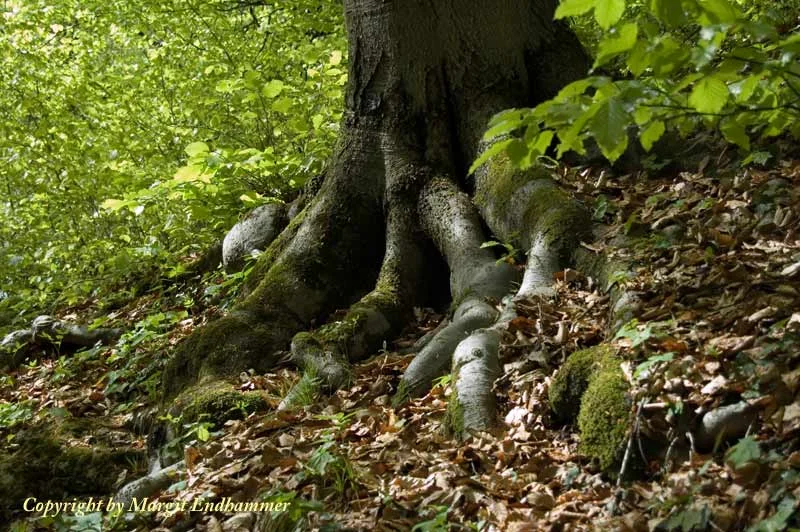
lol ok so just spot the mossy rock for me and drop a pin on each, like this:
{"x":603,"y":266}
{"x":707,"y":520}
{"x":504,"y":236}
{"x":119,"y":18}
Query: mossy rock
{"x":592,"y":388}
{"x":52,"y":461}
{"x":604,"y":418}
{"x":572,"y":380}
{"x":218,"y":402}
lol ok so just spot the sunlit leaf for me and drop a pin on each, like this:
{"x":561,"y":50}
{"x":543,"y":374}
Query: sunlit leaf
{"x":613,"y":46}
{"x":608,"y":126}
{"x":709,"y":95}
{"x":571,"y":8}
{"x":651,"y":134}
{"x":608,"y":12}
{"x":273,"y":88}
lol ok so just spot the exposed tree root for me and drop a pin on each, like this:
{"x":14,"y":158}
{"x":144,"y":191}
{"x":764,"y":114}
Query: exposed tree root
{"x":46,"y":331}
{"x":530,"y":210}
{"x":256,"y":231}
{"x":452,"y":222}
{"x":382,"y":313}
{"x":322,"y":259}
{"x":149,"y":485}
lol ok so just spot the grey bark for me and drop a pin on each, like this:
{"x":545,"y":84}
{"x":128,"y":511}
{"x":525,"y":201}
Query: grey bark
{"x":48,"y":331}
{"x":150,"y":484}
{"x":253,"y":234}
{"x":424,"y":79}
{"x":476,"y":278}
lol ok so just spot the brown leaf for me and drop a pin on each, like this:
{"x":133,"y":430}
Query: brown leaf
{"x":522,"y":324}
{"x":191,"y":456}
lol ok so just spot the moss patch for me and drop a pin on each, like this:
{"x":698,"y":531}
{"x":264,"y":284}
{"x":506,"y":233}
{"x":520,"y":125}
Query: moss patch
{"x":592,"y":386}
{"x":604,"y":418}
{"x":504,"y":180}
{"x":51,"y":461}
{"x":454,"y":417}
{"x":218,"y":402}
{"x":226,"y":347}
{"x":572,"y":380}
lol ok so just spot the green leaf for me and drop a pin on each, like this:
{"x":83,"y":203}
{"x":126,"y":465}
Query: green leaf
{"x":745,"y":451}
{"x":191,"y":173}
{"x":608,"y":12}
{"x":282,"y":105}
{"x":651,"y":134}
{"x":273,"y":88}
{"x":512,"y":122}
{"x":651,"y":362}
{"x":196,"y":148}
{"x":743,"y":90}
{"x":718,"y":12}
{"x":642,"y":115}
{"x":709,"y":95}
{"x":542,"y":142}
{"x":613,"y":46}
{"x":572,"y":8}
{"x":757,"y":157}
{"x":639,"y":59}
{"x":734,"y":132}
{"x":671,"y":12}
{"x":575,"y":88}
{"x":114,"y":205}
{"x":667,"y":56}
{"x":202,"y":433}
{"x":488,"y":153}
{"x":779,"y":520}
{"x":517,"y":152}
{"x":608,"y":127}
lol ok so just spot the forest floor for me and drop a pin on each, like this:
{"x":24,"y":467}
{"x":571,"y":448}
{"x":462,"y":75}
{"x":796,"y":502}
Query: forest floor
{"x":718,"y":258}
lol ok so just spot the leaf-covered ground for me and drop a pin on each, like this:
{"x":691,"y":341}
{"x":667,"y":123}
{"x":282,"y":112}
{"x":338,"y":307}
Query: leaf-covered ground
{"x":718,"y":272}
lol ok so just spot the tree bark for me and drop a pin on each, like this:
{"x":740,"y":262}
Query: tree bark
{"x":425,"y":77}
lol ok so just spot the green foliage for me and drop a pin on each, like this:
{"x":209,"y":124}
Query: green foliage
{"x":131,"y":365}
{"x":688,"y":519}
{"x":746,"y":450}
{"x":685,"y":65}
{"x":438,"y":523}
{"x":13,"y":414}
{"x":327,"y":467}
{"x":134,"y":132}
{"x":192,"y":433}
{"x":295,"y":518}
{"x":652,"y":362}
{"x":639,"y":333}
{"x":780,"y":519}
{"x":509,"y":253}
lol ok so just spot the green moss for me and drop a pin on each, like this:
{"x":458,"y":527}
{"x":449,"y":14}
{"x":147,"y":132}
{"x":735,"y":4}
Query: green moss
{"x":402,"y":394}
{"x":454,"y":417}
{"x":591,"y":386}
{"x":503,"y":180}
{"x":339,"y":333}
{"x":218,"y":402}
{"x":551,"y":212}
{"x":226,"y":347}
{"x":555,"y":215}
{"x":604,"y":418}
{"x":572,"y":379}
{"x":273,"y":251}
{"x":52,"y":462}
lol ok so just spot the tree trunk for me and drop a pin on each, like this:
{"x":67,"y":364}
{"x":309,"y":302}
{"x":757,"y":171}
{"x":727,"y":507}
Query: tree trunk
{"x":425,"y":77}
